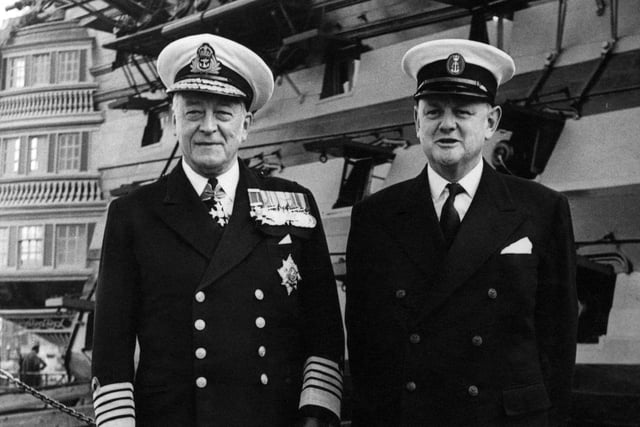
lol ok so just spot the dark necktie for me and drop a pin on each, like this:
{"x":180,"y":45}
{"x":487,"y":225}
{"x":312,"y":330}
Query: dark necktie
{"x":208,"y":194}
{"x":449,"y":218}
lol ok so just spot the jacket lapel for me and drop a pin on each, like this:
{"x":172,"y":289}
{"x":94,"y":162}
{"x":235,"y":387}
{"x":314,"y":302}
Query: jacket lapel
{"x":183,"y":211}
{"x":415,"y":225}
{"x":240,"y":235}
{"x":490,"y":220}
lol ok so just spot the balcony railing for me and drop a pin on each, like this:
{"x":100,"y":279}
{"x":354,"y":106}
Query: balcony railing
{"x":51,"y":191}
{"x":42,"y":103}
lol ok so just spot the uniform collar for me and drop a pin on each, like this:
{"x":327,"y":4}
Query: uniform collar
{"x":228,"y":180}
{"x":469,"y":182}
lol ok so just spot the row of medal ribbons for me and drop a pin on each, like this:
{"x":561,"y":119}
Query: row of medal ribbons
{"x":280,"y":208}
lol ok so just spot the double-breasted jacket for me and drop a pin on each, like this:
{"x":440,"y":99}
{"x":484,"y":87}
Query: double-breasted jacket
{"x":481,"y":335}
{"x":222,"y":340}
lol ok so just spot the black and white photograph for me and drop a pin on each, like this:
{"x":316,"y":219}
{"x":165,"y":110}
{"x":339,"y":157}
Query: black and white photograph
{"x":319,"y":213}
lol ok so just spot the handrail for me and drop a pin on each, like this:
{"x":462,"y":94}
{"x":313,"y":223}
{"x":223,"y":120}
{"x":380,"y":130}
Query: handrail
{"x":51,"y":191}
{"x":46,"y":103}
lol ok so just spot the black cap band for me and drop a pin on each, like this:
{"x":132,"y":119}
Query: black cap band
{"x":467,"y":79}
{"x":224,"y":75}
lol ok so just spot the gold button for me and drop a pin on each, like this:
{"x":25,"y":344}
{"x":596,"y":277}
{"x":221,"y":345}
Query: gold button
{"x":260,"y":322}
{"x":201,"y":382}
{"x":262,"y":350}
{"x":414,"y":338}
{"x":477,"y":340}
{"x":410,"y":386}
{"x":201,"y":353}
{"x":259,"y":294}
{"x":473,"y":390}
{"x":200,"y":296}
{"x":199,"y":324}
{"x":401,"y":293}
{"x":264,"y":379}
{"x":493,"y":294}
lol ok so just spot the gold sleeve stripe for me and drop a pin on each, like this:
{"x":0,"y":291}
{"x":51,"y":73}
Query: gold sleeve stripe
{"x":114,"y":406}
{"x":322,"y":384}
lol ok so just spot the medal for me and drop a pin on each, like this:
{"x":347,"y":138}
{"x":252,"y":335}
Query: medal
{"x":280,"y":208}
{"x":218,"y":215}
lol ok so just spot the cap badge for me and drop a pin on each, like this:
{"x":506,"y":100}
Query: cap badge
{"x":205,"y":61}
{"x":455,"y":64}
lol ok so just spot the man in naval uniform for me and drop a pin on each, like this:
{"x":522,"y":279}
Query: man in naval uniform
{"x":222,"y":276}
{"x":461,"y":300}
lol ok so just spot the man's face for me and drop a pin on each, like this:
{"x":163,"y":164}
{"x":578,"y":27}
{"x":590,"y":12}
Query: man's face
{"x":452,"y":131}
{"x":210,"y":129}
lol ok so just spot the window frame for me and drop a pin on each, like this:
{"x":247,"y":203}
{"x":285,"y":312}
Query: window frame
{"x":58,"y":151}
{"x":35,"y":73}
{"x":10,"y":75}
{"x":4,"y":247}
{"x":80,"y":242}
{"x":71,"y":67}
{"x":39,"y":249}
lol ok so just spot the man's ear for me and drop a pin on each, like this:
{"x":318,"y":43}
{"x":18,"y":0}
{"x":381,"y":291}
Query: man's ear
{"x":248,"y":121}
{"x":173,"y":121}
{"x":493,"y":120}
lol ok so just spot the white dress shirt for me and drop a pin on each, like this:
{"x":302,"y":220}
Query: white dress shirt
{"x":440,"y":192}
{"x":228,"y":181}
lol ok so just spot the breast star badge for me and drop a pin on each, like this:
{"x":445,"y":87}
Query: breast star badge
{"x":289,"y":274}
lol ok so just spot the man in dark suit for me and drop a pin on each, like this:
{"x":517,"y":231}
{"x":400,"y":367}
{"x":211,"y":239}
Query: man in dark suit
{"x":461,"y":301}
{"x":221,"y":276}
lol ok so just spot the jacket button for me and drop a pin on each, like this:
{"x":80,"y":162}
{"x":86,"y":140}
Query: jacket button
{"x":477,"y":341}
{"x":401,"y":293}
{"x":200,"y":296}
{"x":199,"y":324}
{"x":262,"y":350}
{"x":492,"y":293}
{"x":201,"y":382}
{"x":264,"y":379}
{"x":414,"y":338}
{"x":410,"y":386}
{"x":259,"y":294}
{"x":201,"y":353}
{"x":473,"y":390}
{"x":260,"y":322}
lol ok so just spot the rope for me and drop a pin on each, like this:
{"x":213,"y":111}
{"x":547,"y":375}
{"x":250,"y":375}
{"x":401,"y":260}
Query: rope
{"x":46,"y":399}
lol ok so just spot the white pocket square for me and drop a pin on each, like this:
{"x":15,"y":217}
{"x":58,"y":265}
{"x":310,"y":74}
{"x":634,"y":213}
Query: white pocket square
{"x":522,"y":246}
{"x":286,"y":240}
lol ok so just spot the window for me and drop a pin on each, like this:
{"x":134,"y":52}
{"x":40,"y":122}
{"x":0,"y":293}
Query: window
{"x":38,"y":154}
{"x":68,"y":66}
{"x":4,"y":247}
{"x":44,"y":68}
{"x":41,"y":154}
{"x":339,"y":77}
{"x":33,"y":154}
{"x":71,"y":245}
{"x":3,"y":157}
{"x":10,"y":149}
{"x":31,"y":246}
{"x":16,"y":72}
{"x":69,"y":152}
{"x":40,"y":69}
